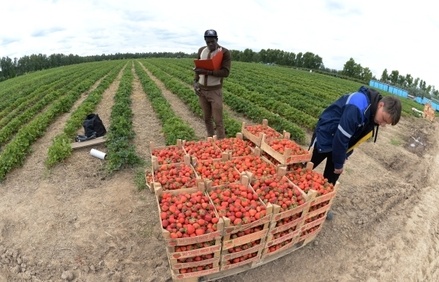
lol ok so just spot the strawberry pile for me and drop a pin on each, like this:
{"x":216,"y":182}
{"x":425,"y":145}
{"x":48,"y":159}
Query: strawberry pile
{"x":202,"y":150}
{"x":256,"y":165}
{"x":307,"y":179}
{"x":236,"y":146}
{"x":259,"y":129}
{"x":238,"y":202}
{"x":219,"y":172}
{"x":187,"y":214}
{"x":175,"y":176}
{"x":170,"y":154}
{"x":282,"y":145}
{"x":280,"y":191}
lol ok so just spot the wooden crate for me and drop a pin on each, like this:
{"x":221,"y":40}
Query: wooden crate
{"x":286,"y":247}
{"x":257,"y":138}
{"x":177,"y":252}
{"x":255,"y":252}
{"x":225,"y":272}
{"x":213,"y":153}
{"x":306,"y":239}
{"x":284,"y":229}
{"x":250,"y":244}
{"x":295,"y":219}
{"x":250,"y":170}
{"x":287,"y":157}
{"x":321,"y":204}
{"x":317,"y":199}
{"x":235,"y":146}
{"x":429,"y":112}
{"x":177,"y":276}
{"x":242,"y":239}
{"x":308,"y":226}
{"x":150,"y":174}
{"x":216,"y":168}
{"x":229,"y":239}
{"x":178,"y":153}
{"x":310,"y":231}
{"x":172,"y":242}
{"x":191,"y":247}
{"x":304,"y":234}
{"x":176,"y":264}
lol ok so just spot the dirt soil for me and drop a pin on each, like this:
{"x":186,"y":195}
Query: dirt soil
{"x":73,"y":223}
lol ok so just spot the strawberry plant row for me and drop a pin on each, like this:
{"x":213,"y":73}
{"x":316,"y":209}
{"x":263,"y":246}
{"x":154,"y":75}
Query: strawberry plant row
{"x":61,"y":145}
{"x":270,"y":103}
{"x":314,"y":86}
{"x":265,"y":80}
{"x":20,"y":87}
{"x":45,"y":96}
{"x":173,"y":127}
{"x":234,"y":101}
{"x":277,"y":94}
{"x":16,"y":150}
{"x":29,"y":96}
{"x":121,"y":150}
{"x":167,"y":74}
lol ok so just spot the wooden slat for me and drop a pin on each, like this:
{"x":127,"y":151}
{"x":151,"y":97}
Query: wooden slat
{"x":96,"y":141}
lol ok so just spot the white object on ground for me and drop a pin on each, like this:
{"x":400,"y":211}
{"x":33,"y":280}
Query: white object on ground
{"x":98,"y":154}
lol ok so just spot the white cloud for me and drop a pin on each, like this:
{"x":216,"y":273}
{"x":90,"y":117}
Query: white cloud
{"x":376,"y":34}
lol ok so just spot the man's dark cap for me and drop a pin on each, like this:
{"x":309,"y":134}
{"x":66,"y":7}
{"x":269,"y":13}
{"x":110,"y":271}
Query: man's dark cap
{"x":210,"y":33}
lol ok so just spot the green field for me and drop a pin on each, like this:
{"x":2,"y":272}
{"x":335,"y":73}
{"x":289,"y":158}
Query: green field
{"x":290,"y":99}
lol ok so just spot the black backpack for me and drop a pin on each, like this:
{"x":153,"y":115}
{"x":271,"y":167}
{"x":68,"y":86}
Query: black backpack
{"x":93,"y":127}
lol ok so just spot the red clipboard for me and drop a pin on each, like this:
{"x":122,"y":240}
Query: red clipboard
{"x":210,"y":64}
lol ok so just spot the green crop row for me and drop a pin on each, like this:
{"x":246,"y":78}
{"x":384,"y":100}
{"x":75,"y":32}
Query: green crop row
{"x":121,"y":150}
{"x":61,"y":147}
{"x":173,"y":127}
{"x":14,"y":152}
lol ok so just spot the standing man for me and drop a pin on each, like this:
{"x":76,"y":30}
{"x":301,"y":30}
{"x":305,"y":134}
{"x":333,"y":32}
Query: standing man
{"x":208,"y":84}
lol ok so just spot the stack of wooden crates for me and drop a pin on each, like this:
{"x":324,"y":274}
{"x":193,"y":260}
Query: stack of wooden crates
{"x":234,"y":248}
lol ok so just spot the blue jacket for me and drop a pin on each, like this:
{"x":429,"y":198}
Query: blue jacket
{"x":345,"y":122}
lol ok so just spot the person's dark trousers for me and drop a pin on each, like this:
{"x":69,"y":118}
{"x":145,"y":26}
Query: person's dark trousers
{"x":328,"y":173}
{"x":211,"y":102}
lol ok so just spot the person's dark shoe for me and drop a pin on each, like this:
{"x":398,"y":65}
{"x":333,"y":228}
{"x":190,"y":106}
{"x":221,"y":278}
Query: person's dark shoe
{"x":329,"y":215}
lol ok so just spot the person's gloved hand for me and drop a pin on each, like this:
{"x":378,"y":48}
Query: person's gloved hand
{"x":202,"y":71}
{"x":197,"y":87}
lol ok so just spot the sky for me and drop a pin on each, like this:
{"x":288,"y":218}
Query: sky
{"x":392,"y":35}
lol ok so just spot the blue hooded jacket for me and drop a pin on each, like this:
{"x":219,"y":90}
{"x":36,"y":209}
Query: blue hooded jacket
{"x":345,"y":122}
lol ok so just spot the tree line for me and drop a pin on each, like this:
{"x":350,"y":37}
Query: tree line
{"x":415,"y":86}
{"x":10,"y":68}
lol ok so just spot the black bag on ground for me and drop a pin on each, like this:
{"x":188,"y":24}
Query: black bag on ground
{"x":93,"y":126}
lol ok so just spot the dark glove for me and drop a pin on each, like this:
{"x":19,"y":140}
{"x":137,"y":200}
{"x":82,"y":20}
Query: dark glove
{"x":203,"y":71}
{"x":197,"y":87}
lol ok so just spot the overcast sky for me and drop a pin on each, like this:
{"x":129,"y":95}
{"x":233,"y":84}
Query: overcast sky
{"x":392,"y":35}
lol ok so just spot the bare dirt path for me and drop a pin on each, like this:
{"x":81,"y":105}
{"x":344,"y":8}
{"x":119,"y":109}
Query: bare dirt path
{"x":180,"y":108}
{"x":74,"y":224}
{"x":145,"y":123}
